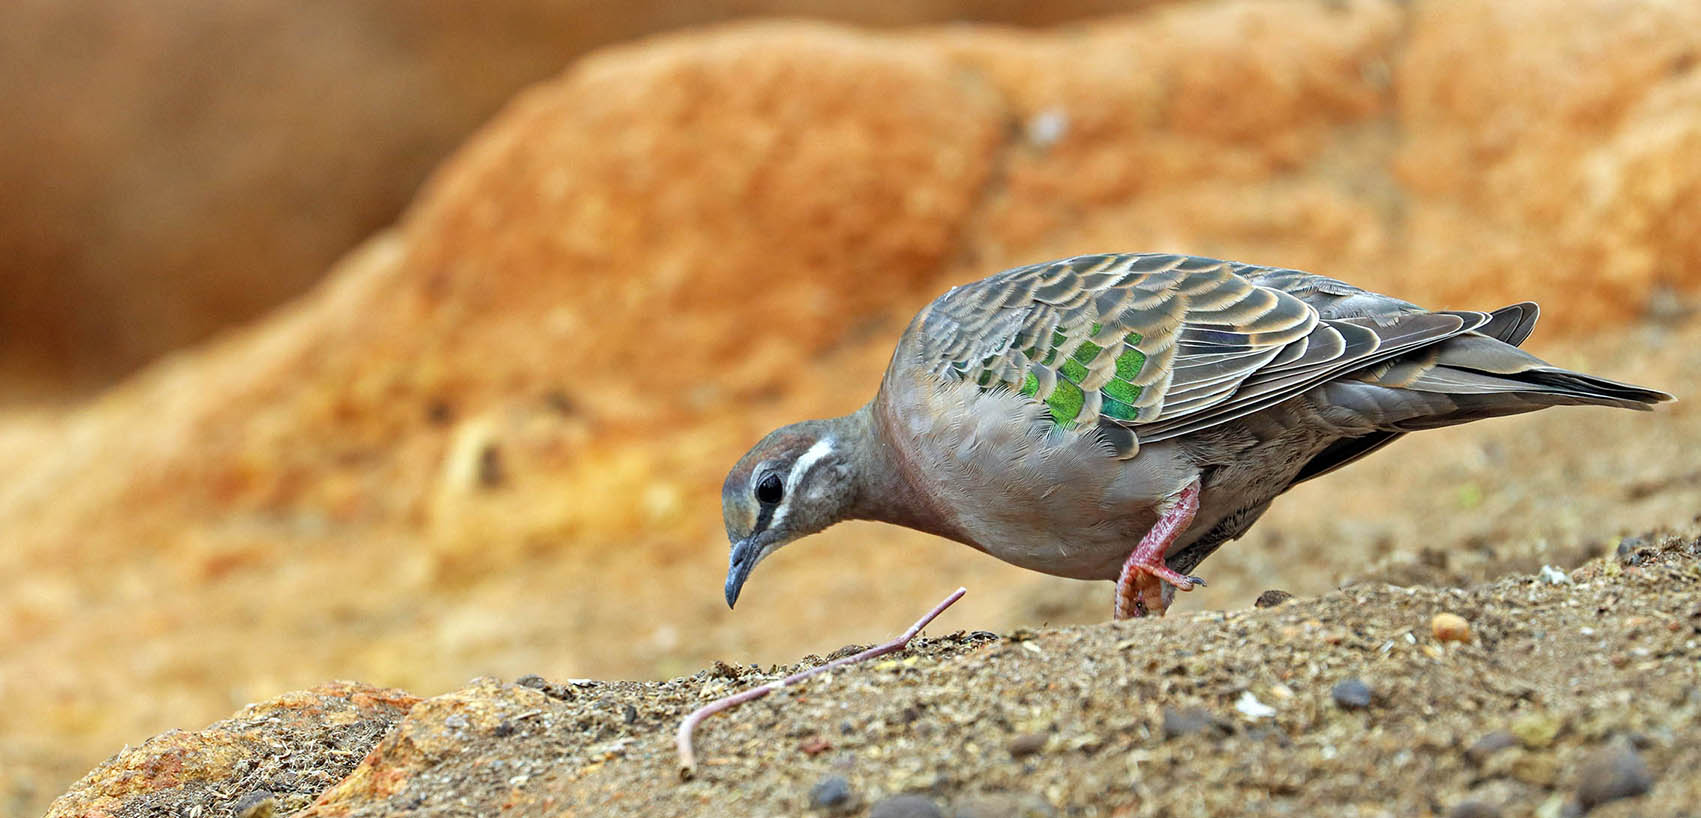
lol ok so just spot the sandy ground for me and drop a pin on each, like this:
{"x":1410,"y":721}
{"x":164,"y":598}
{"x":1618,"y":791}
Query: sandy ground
{"x":1554,"y":694}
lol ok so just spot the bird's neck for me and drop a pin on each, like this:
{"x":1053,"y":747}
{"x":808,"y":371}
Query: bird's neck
{"x":887,"y":486}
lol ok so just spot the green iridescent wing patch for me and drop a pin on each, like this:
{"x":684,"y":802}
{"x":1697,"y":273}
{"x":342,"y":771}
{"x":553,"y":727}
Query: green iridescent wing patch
{"x":1062,"y":391}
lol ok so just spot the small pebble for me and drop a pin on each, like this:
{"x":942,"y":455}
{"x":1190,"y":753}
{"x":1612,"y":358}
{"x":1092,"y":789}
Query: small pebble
{"x":1490,"y":744}
{"x":1450,"y":627}
{"x":257,"y":804}
{"x":1351,"y":694}
{"x":1028,"y":744}
{"x":1473,"y":809}
{"x":905,"y":806}
{"x":832,"y":793}
{"x":1630,"y":550}
{"x":1611,"y":773}
{"x":1536,"y":730}
{"x":1271,"y":598}
{"x":1250,"y":707}
{"x":1192,"y":720}
{"x":1003,"y":805}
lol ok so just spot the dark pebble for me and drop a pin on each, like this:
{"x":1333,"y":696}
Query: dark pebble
{"x":1272,"y":598}
{"x":1003,"y":805}
{"x":1490,"y":744}
{"x":1192,"y":720}
{"x":629,"y":714}
{"x":546,"y":687}
{"x":847,"y":650}
{"x":1028,"y":744}
{"x":832,"y":793}
{"x":1633,"y":550}
{"x":1473,"y":809}
{"x":504,"y":729}
{"x":905,"y":806}
{"x":1611,"y":773}
{"x":1351,"y":694}
{"x":257,"y":804}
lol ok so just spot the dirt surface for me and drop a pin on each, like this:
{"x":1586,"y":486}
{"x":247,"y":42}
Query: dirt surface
{"x":284,"y":751}
{"x":1553,"y":694}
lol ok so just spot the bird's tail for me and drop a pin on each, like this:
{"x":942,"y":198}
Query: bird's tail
{"x":1483,"y":374}
{"x":1476,"y":375}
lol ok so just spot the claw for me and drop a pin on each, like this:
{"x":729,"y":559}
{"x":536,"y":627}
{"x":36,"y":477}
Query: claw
{"x":1140,"y":587}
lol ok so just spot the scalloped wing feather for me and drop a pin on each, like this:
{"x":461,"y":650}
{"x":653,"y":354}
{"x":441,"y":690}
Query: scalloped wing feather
{"x":1165,"y":344}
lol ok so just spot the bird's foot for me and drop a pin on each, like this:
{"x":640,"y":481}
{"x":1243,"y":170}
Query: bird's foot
{"x":1144,"y":590}
{"x":1140,"y":586}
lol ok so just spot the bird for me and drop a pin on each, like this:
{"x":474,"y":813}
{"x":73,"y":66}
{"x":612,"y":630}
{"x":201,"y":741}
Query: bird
{"x":1121,"y":416}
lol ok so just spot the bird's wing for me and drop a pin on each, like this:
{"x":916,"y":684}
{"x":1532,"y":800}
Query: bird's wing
{"x":1164,"y":344}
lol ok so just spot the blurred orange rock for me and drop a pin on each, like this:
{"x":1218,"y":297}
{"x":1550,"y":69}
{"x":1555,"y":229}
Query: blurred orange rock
{"x":493,"y":439}
{"x":175,"y":168}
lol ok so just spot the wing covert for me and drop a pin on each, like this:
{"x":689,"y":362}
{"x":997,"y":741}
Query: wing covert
{"x":1121,"y":338}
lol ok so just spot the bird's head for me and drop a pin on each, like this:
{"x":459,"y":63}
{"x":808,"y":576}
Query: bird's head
{"x":798,"y":480}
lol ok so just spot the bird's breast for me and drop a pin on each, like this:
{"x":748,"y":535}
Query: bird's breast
{"x":1014,"y":486}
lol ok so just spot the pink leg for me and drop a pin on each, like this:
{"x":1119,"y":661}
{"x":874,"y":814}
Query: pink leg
{"x":1139,"y":590}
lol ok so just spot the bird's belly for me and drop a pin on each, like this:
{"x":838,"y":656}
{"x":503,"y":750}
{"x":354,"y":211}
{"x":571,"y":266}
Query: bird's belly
{"x":1055,"y":502}
{"x":1073,"y":558}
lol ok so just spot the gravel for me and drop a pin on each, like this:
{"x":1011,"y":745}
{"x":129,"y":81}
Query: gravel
{"x":832,"y":793}
{"x":1610,"y":773}
{"x":1028,"y":744}
{"x":1351,"y":694}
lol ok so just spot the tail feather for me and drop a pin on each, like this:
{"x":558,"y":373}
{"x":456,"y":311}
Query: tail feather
{"x":1477,"y":375}
{"x":1478,"y":367}
{"x":1512,"y":323}
{"x":1580,"y":384}
{"x":1539,"y":386}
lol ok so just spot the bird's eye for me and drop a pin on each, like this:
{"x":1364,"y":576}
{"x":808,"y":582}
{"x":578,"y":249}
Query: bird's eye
{"x":769,"y":491}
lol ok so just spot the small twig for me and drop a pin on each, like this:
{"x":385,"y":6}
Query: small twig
{"x":688,"y":759}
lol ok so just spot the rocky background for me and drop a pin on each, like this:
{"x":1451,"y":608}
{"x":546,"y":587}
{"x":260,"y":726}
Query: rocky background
{"x":177,"y":166}
{"x":490,"y":441}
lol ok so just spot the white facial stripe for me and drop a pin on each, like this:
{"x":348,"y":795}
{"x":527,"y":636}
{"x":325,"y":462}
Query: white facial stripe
{"x":807,"y":461}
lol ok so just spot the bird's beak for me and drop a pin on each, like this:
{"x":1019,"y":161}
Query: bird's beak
{"x":744,"y":556}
